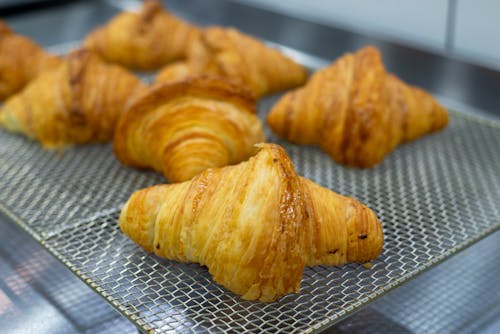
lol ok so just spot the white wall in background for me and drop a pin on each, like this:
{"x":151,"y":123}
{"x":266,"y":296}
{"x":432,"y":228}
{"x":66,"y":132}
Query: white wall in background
{"x":477,"y":30}
{"x":419,"y":23}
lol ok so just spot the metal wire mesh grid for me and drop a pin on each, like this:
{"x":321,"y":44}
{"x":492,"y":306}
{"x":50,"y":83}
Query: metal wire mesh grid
{"x":434,"y":196}
{"x":461,"y":295}
{"x":50,"y":191}
{"x":467,"y":285}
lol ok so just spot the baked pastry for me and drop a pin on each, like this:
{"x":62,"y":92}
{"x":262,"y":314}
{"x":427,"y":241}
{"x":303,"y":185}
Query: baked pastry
{"x":183,"y":128}
{"x":145,"y":40}
{"x":356,"y":111}
{"x":77,"y":103}
{"x":255,"y":225}
{"x":21,"y":60}
{"x":231,"y":54}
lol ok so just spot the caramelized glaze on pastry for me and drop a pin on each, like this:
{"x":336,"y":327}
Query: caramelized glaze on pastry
{"x":21,"y":60}
{"x":356,"y":111}
{"x":77,"y":103}
{"x":183,"y":128}
{"x":255,"y":225}
{"x":145,"y":40}
{"x":233,"y":55}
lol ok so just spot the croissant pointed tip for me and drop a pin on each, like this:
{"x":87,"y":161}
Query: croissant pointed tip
{"x":370,"y":238}
{"x":269,"y":146}
{"x":4,"y":28}
{"x":442,"y":118}
{"x":8,"y":119}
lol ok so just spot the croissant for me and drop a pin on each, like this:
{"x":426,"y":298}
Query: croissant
{"x":255,"y":225}
{"x":356,"y":111}
{"x":21,"y":60}
{"x":183,"y":128}
{"x":77,"y":103}
{"x":145,"y":40}
{"x":228,"y":53}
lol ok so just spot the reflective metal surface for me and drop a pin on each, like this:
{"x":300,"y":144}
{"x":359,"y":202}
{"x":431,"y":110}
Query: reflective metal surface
{"x":449,"y":183}
{"x":461,"y":295}
{"x":39,"y":295}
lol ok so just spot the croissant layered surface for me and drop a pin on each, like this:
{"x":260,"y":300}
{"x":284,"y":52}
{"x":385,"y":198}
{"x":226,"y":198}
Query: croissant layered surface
{"x":183,"y":128}
{"x":255,"y":225}
{"x":356,"y":111}
{"x":77,"y":103}
{"x":231,"y":54}
{"x":21,"y":60}
{"x":145,"y":40}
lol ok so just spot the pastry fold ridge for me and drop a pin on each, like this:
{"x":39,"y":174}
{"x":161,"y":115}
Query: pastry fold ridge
{"x":356,"y":111}
{"x":255,"y":225}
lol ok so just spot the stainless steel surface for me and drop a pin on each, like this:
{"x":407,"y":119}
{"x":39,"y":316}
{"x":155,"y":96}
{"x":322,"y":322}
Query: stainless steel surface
{"x":39,"y":295}
{"x":434,"y":196}
{"x":461,"y":295}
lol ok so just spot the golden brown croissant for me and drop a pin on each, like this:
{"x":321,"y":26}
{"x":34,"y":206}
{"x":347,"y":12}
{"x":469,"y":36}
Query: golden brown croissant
{"x":183,"y":128}
{"x":355,"y":111}
{"x":255,"y":225}
{"x":77,"y":103}
{"x":231,"y":54}
{"x":146,"y":40}
{"x":21,"y":60}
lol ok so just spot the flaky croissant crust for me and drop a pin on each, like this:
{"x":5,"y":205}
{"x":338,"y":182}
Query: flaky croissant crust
{"x":145,"y":40}
{"x":356,"y":111}
{"x":231,"y":54}
{"x":255,"y":225}
{"x":77,"y":103}
{"x":21,"y":60}
{"x":182,"y":128}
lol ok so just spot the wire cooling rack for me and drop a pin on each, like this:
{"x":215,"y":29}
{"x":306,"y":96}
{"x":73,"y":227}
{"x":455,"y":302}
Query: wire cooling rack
{"x":434,"y":196}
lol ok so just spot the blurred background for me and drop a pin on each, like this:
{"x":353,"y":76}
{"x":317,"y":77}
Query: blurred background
{"x":469,"y":30}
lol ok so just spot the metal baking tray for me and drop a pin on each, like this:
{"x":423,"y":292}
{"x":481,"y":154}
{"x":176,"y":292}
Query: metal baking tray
{"x":434,"y":196}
